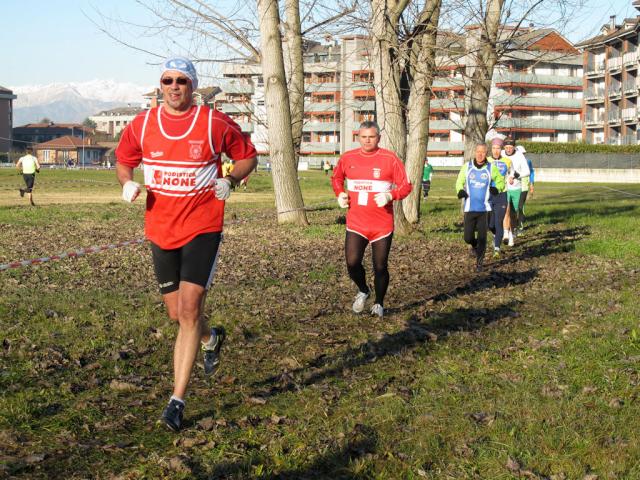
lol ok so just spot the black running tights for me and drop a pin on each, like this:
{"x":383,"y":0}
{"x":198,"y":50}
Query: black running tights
{"x":354,"y":247}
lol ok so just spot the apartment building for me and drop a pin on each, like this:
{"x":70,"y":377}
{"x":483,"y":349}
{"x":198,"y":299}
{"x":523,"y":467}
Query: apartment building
{"x":611,"y":84}
{"x":536,"y":93}
{"x":115,"y":120}
{"x":33,"y":133}
{"x":339,"y":95}
{"x":537,"y":88}
{"x":6,"y":121}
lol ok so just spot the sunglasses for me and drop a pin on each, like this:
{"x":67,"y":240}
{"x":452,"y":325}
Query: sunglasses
{"x":169,"y":80}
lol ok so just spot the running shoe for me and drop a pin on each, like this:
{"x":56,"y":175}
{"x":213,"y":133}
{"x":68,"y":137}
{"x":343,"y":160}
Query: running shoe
{"x":377,"y":310}
{"x":211,"y":355}
{"x":359,"y":302}
{"x":172,"y":415}
{"x":496,"y":253}
{"x":22,"y":192}
{"x":479,"y":265}
{"x":511,"y":240}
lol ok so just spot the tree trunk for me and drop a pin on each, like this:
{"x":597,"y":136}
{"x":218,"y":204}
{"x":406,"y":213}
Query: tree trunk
{"x":421,"y":67}
{"x":287,"y":191}
{"x":386,"y":71}
{"x":485,"y":58}
{"x":293,"y":36}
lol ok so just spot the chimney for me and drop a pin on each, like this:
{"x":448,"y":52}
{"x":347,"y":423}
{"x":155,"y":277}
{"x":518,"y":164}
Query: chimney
{"x":612,"y":22}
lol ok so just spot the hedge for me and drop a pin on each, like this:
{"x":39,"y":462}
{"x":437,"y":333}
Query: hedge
{"x":548,"y":147}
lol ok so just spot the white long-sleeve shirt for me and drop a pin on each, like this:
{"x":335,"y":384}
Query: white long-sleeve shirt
{"x":518,"y":164}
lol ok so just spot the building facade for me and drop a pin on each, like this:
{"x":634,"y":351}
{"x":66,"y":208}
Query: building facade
{"x":70,"y":151}
{"x":6,"y":121}
{"x":536,"y":92}
{"x":113,"y":121}
{"x":33,"y":133}
{"x":611,"y":83}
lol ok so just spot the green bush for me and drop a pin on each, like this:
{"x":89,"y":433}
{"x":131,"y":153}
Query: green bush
{"x":548,"y":147}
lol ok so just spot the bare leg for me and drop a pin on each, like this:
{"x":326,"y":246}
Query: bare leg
{"x":186,"y":306}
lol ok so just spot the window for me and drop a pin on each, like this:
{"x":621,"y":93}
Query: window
{"x":362,"y":76}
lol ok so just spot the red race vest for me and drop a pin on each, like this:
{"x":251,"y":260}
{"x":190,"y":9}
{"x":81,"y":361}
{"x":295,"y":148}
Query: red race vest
{"x":180,"y":175}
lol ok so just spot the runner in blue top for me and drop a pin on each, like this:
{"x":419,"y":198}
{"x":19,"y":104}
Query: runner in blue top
{"x":474,"y":184}
{"x":498,"y":200}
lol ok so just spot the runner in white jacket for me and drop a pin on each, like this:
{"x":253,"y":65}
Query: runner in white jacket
{"x":519,"y":169}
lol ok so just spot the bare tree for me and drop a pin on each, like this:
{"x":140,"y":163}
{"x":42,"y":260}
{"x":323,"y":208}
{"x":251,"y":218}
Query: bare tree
{"x":289,"y":201}
{"x":403,"y":66}
{"x":213,"y":36}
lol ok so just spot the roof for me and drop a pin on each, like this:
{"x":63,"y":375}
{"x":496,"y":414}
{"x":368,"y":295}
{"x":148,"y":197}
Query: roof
{"x":56,"y":125}
{"x":120,"y":111}
{"x":611,"y":34}
{"x":5,"y":90}
{"x":68,"y":142}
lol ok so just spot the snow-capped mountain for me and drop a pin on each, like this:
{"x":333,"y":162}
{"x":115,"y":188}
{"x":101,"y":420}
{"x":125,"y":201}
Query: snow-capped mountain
{"x":72,"y":102}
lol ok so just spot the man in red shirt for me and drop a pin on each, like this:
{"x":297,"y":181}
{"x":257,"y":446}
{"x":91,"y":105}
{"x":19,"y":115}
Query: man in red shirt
{"x":375,"y":177}
{"x":180,"y":145}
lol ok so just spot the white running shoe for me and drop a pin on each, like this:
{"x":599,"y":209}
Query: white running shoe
{"x":359,"y":301}
{"x":511,"y":242}
{"x":377,"y":310}
{"x":505,"y":235}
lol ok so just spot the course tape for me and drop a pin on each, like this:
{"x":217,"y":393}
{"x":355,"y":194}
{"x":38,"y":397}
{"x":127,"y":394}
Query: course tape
{"x":73,"y":254}
{"x":78,"y":182}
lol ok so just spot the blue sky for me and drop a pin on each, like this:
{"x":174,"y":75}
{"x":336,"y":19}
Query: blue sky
{"x":47,"y":41}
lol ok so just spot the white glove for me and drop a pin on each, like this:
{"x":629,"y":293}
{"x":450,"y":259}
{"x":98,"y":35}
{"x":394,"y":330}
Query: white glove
{"x":382,"y":198}
{"x":223,"y":188}
{"x":130,"y":191}
{"x":343,"y":200}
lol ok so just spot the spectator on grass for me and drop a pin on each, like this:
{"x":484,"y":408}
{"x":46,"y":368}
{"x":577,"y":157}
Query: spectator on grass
{"x":180,"y":145}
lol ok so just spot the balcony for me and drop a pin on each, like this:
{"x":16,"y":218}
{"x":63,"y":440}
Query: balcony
{"x":445,"y":125}
{"x":594,"y":95}
{"x":246,"y":127}
{"x":594,"y":120}
{"x":595,"y":69}
{"x":630,"y":59}
{"x":614,"y":64}
{"x":509,"y":78}
{"x":320,"y":147}
{"x":321,"y":107}
{"x":629,"y":114}
{"x":446,"y":104}
{"x":546,"y":102}
{"x":539,"y":124}
{"x":630,"y":87}
{"x":311,"y":126}
{"x":236,"y":107}
{"x":614,"y":117}
{"x":363,"y":105}
{"x":615,"y":139}
{"x":448,"y":83}
{"x":615,"y":89}
{"x":238,"y":88}
{"x":445,"y":146}
{"x":322,"y":87}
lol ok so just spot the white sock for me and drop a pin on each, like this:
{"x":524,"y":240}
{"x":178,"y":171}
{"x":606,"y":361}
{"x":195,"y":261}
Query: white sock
{"x":177,"y":399}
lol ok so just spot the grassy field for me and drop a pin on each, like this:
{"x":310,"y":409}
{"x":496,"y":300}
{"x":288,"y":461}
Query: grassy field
{"x":527,"y":370}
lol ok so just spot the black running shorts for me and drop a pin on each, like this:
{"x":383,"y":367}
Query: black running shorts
{"x":194,"y":262}
{"x":29,"y":178}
